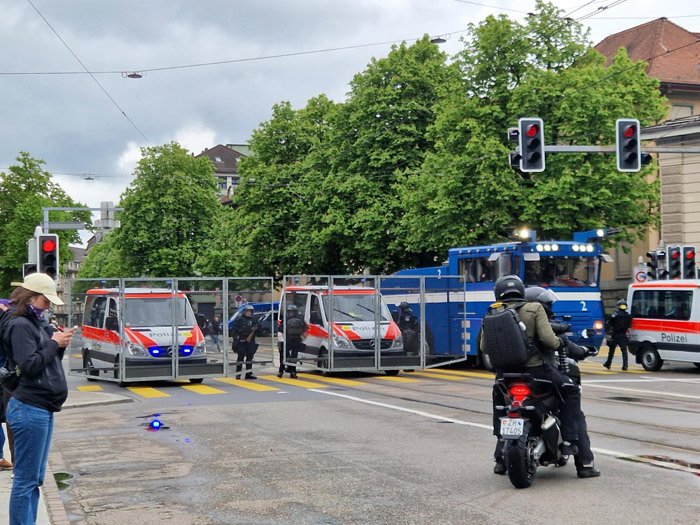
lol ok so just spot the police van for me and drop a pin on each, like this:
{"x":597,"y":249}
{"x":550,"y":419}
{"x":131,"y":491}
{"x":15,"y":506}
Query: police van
{"x":665,"y":322}
{"x":344,"y":319}
{"x":142,"y":326}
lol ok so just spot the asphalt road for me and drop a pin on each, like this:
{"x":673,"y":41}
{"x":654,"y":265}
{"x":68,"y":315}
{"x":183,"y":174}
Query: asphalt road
{"x":372,"y":450}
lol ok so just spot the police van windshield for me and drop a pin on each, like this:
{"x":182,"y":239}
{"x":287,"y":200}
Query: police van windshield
{"x":562,"y":271}
{"x":355,"y":307}
{"x":155,"y":311}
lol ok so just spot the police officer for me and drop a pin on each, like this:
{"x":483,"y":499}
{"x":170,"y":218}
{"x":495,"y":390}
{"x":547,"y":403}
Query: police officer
{"x":584,"y":459}
{"x":244,"y":341}
{"x":407,"y":321}
{"x":619,"y":322}
{"x":510,"y":290}
{"x":295,"y":328}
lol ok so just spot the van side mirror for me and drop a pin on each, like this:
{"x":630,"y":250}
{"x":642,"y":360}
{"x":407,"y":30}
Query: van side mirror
{"x":315,"y":318}
{"x":112,"y":323}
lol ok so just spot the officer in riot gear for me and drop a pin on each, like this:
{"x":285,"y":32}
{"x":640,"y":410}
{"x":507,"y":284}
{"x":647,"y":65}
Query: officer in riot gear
{"x":618,"y":323}
{"x":295,"y":329}
{"x":510,"y":290}
{"x":244,"y":344}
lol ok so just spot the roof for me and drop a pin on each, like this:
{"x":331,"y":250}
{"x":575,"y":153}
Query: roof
{"x":672,"y":52}
{"x":225,"y":159}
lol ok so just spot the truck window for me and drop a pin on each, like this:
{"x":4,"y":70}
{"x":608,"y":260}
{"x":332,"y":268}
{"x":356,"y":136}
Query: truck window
{"x":662,"y":304}
{"x":480,"y":270}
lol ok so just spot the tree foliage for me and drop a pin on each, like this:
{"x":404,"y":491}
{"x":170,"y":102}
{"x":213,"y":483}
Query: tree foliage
{"x":25,"y":189}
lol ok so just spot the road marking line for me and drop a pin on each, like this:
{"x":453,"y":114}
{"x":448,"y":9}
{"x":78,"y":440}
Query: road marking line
{"x":333,"y":380}
{"x":440,"y":376}
{"x":89,"y":388}
{"x":651,"y":392}
{"x":147,"y":391}
{"x":460,"y":373}
{"x":203,"y":389}
{"x":398,"y":379}
{"x":250,"y":385}
{"x":293,"y":382}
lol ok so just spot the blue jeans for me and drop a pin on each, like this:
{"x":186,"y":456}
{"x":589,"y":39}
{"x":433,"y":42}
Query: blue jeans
{"x":215,"y":341}
{"x":32,"y":428}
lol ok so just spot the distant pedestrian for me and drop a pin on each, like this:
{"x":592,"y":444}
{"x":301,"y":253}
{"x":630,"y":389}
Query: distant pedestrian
{"x":618,"y":324}
{"x":295,"y":328}
{"x":214,"y":329}
{"x":244,"y":341}
{"x":41,"y":390}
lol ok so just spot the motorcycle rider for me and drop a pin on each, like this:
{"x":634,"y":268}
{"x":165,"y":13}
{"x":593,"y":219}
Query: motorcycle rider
{"x":619,"y":323}
{"x":510,"y":290}
{"x":244,"y":341}
{"x":584,"y":459}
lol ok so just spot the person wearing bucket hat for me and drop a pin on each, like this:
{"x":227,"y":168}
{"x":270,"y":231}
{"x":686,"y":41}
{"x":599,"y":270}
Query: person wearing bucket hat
{"x":41,"y":389}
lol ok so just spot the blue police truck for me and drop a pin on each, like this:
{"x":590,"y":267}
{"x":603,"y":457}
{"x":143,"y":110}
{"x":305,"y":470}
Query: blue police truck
{"x":451,"y":300}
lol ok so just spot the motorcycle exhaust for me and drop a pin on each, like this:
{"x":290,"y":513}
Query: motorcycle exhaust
{"x":548,"y":423}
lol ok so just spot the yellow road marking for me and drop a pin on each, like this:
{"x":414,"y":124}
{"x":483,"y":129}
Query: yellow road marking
{"x":439,"y":376}
{"x":147,"y":391}
{"x":487,"y":375}
{"x":250,"y":385}
{"x":90,"y":388}
{"x":333,"y":380}
{"x":293,"y":382}
{"x":203,"y":389}
{"x":398,"y":379}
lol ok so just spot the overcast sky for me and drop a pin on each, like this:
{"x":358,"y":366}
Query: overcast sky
{"x":80,"y":128}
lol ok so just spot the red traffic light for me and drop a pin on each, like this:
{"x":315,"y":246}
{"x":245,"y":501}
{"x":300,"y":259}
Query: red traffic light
{"x":532,"y":130}
{"x":629,"y":131}
{"x":690,"y":254}
{"x":48,"y":245}
{"x":675,"y":254}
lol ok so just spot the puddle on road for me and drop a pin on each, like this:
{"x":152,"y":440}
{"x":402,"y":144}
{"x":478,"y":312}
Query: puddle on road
{"x":61,"y":480}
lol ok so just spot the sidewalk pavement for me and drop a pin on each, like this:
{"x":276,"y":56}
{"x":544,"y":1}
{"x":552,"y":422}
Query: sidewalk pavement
{"x":51,"y":510}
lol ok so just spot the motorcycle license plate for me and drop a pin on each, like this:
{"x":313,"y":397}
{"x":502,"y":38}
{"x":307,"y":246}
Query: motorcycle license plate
{"x":512,"y":427}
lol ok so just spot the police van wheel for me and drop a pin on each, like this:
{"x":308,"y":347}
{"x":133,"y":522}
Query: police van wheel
{"x":87,"y":366}
{"x":196,"y":380}
{"x":391,"y":372}
{"x":650,"y":359}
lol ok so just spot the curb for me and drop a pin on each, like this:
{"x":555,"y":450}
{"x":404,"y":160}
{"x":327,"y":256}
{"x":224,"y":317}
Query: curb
{"x":52,"y":499}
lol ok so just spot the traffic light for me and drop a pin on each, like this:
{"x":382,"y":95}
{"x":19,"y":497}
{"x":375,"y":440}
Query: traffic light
{"x":531,"y":144}
{"x":653,"y":264}
{"x":689,"y":270}
{"x":28,"y":268}
{"x":674,"y":262}
{"x":629,"y":154}
{"x":47,"y":254}
{"x":661,"y":261}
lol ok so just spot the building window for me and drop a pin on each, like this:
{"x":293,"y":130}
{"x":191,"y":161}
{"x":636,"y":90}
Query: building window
{"x":681,"y":110}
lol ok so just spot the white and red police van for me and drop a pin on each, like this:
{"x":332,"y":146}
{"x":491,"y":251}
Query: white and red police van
{"x":143,"y":329}
{"x":665,"y":322}
{"x":344,"y":319}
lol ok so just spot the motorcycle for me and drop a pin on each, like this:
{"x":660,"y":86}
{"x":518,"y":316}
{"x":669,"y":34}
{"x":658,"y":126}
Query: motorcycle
{"x":531,"y":428}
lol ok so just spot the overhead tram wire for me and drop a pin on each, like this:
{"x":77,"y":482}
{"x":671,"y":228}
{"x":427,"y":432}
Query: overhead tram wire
{"x":89,"y":73}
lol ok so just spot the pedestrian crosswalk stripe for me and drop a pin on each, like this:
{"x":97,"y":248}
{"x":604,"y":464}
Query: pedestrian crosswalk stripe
{"x":90,"y":388}
{"x":250,"y":385}
{"x":147,"y":391}
{"x":333,"y":380}
{"x":293,"y":382}
{"x":399,"y":379}
{"x":203,"y":389}
{"x":487,"y":375}
{"x":439,"y":376}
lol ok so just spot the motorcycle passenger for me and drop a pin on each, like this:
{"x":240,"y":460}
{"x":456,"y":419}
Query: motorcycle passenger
{"x":584,"y":459}
{"x":510,"y":290}
{"x":295,"y":328}
{"x":619,"y":323}
{"x":244,"y":341}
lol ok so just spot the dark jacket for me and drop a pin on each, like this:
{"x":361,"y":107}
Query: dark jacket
{"x":42,"y":382}
{"x":295,"y":338}
{"x":619,"y":322}
{"x":243,"y":327}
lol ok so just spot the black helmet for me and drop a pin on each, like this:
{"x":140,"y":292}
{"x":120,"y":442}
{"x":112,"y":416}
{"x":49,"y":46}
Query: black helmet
{"x":509,"y":286}
{"x":544,"y":296}
{"x":622,"y":304}
{"x":248,"y":307}
{"x":405,"y":307}
{"x":292,"y":309}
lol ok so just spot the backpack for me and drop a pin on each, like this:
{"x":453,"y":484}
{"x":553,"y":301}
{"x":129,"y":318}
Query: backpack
{"x":505,"y":337}
{"x":9,"y":372}
{"x":295,"y":326}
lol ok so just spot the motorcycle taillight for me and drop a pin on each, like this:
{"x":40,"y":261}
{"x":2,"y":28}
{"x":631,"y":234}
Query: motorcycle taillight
{"x":519,"y":392}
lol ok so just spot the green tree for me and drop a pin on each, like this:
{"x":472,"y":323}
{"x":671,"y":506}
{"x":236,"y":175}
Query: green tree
{"x":170,"y":209}
{"x":24,"y":190}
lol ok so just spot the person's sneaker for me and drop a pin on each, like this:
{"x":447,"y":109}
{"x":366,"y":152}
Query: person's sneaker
{"x":5,"y":465}
{"x":500,"y":468}
{"x":624,"y":368}
{"x":293,"y":375}
{"x":280,"y":374}
{"x":607,"y":365}
{"x":588,"y":472}
{"x":250,"y":376}
{"x":568,"y":449}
